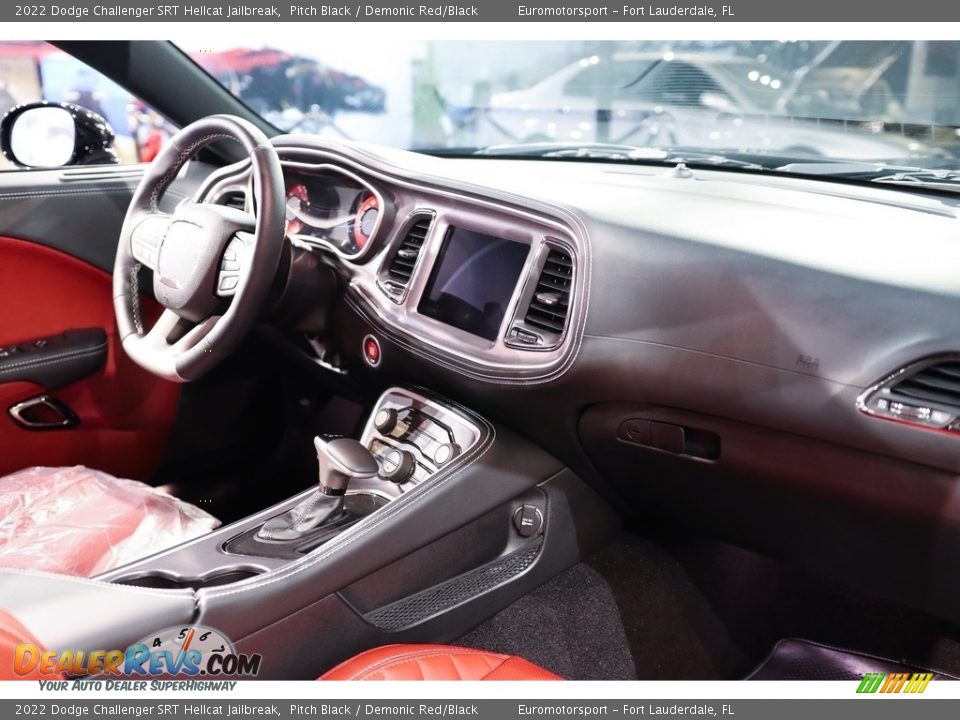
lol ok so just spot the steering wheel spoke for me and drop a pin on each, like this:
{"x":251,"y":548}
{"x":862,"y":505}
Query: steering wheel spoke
{"x":162,"y":336}
{"x":234,"y":263}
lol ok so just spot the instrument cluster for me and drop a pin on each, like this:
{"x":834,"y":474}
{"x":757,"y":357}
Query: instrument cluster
{"x":327,"y":206}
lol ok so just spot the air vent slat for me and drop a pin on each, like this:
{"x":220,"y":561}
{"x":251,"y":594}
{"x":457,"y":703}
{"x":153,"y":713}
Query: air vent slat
{"x":920,"y":392}
{"x":550,"y":283}
{"x":948,"y":370}
{"x":559,"y":274}
{"x":935,"y":383}
{"x":404,"y":260}
{"x":551,"y":299}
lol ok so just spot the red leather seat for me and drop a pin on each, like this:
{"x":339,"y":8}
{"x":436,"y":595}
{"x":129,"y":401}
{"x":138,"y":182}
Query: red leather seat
{"x":391,"y":662}
{"x":436,"y":662}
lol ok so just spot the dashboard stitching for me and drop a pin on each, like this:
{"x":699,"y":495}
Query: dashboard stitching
{"x":346,"y":537}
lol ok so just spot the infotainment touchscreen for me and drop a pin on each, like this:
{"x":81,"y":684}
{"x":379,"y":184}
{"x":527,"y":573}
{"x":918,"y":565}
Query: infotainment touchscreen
{"x":473,"y":280}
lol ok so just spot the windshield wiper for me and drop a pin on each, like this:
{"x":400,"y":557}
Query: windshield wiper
{"x":619,"y":153}
{"x":935,"y":179}
{"x":930,"y":178}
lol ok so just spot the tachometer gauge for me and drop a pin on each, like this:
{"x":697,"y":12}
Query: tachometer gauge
{"x":366,"y":220}
{"x":297,"y":199}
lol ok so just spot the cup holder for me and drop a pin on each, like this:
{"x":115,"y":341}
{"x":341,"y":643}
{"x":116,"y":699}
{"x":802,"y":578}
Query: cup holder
{"x":166,"y":581}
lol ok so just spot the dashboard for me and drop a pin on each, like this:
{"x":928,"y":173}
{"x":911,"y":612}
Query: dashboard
{"x":494,"y":289}
{"x":772,"y":359}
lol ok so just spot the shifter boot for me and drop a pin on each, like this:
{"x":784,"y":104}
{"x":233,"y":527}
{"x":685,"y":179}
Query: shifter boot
{"x":302,"y":519}
{"x":339,"y":461}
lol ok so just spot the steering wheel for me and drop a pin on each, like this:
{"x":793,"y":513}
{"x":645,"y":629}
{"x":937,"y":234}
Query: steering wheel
{"x":213,"y":265}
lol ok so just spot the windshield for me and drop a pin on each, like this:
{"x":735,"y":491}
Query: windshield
{"x":891,"y":102}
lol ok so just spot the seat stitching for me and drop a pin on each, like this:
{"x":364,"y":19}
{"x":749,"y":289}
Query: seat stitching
{"x":499,"y":665}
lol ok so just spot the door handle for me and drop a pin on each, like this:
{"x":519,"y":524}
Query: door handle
{"x":43,"y":413}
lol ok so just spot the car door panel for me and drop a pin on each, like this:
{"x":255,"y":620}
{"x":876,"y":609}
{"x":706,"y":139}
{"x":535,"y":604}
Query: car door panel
{"x":58,"y":234}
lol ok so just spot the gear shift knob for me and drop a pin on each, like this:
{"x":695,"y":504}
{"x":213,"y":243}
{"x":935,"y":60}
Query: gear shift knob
{"x":340,"y":461}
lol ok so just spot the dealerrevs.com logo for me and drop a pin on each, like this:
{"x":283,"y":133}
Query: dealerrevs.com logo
{"x":191,"y":651}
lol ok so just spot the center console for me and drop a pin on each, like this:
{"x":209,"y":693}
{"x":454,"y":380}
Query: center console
{"x":429,"y":522}
{"x":407,"y":439}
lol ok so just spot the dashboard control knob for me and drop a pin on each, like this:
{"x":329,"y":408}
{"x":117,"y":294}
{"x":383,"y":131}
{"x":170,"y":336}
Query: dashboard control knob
{"x":397,"y":465}
{"x":445,"y":453}
{"x":385,"y":420}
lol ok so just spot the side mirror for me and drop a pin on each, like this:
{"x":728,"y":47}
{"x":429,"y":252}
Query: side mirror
{"x":52,"y":135}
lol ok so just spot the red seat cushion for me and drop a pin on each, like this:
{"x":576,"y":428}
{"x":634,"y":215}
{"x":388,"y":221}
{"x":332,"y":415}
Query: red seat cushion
{"x":435,"y":662}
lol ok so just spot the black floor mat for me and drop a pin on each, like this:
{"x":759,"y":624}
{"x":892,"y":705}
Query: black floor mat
{"x":802,"y":660}
{"x":700,"y":609}
{"x":627,"y":613}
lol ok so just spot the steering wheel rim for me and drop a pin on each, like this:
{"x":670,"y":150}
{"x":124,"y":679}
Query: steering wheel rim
{"x":192,"y":250}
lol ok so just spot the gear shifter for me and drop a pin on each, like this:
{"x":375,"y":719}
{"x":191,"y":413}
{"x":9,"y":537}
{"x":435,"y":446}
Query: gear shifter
{"x":340,"y":461}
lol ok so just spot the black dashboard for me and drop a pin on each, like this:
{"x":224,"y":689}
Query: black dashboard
{"x":496,"y":290}
{"x":714,"y":348}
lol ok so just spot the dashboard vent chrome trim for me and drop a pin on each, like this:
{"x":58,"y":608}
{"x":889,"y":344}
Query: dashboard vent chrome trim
{"x":544,"y":311}
{"x":925,"y":394}
{"x":550,"y":304}
{"x":397,"y":273}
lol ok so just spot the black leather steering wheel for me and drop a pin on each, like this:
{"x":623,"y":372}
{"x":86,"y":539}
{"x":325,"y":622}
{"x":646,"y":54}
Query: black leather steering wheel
{"x":213,"y":265}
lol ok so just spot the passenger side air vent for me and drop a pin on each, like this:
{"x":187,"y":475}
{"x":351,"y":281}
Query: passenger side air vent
{"x":926,"y":393}
{"x":546,"y":315}
{"x":399,"y":270}
{"x":937,"y":384}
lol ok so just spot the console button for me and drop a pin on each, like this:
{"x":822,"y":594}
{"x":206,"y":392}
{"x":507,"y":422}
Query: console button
{"x":397,"y":465}
{"x":528,"y":520}
{"x":445,"y":453}
{"x":385,"y":420}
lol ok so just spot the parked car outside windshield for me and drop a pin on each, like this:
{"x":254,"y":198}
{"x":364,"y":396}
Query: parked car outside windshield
{"x":890,"y":102}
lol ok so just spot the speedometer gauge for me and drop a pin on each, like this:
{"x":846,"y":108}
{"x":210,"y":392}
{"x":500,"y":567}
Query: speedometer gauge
{"x":366,"y":220}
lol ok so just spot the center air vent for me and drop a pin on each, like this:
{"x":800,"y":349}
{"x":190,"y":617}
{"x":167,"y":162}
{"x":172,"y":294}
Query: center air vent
{"x":546,"y":316}
{"x":926,"y":393}
{"x":399,"y":270}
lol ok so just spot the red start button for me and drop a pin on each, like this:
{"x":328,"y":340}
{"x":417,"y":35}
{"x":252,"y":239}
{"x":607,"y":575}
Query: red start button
{"x":371,"y":350}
